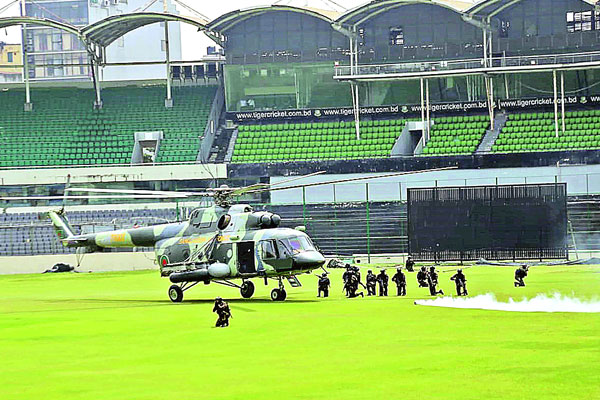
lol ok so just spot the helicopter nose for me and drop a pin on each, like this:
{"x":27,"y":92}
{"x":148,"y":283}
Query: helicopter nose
{"x":309,"y":259}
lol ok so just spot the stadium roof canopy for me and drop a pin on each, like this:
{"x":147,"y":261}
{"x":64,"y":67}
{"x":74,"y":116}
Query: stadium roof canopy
{"x":229,"y":20}
{"x":107,"y":30}
{"x":12,"y":21}
{"x":489,"y":8}
{"x":376,"y":7}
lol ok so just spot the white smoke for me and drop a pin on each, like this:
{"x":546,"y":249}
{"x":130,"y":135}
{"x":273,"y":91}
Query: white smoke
{"x":541,"y":303}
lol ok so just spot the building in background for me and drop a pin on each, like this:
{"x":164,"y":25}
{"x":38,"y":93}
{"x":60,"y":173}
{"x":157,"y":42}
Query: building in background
{"x":47,"y":47}
{"x":10,"y":55}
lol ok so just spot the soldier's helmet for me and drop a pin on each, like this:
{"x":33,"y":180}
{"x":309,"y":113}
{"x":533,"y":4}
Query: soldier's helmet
{"x":432,"y":268}
{"x":324,"y":274}
{"x":459,"y":270}
{"x":423,"y":268}
{"x":399,"y":268}
{"x":370,"y":271}
{"x":218,"y":299}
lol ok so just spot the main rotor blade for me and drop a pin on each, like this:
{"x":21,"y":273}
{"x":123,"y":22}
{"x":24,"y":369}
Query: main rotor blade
{"x":297,"y":178}
{"x":12,"y":198}
{"x":140,"y":192}
{"x":357,"y":179}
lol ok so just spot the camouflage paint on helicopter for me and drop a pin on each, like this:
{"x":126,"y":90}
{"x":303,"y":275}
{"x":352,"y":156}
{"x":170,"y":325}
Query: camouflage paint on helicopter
{"x":215,"y":245}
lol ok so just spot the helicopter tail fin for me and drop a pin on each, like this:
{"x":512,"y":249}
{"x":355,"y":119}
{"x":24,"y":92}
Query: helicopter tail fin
{"x":61,"y":224}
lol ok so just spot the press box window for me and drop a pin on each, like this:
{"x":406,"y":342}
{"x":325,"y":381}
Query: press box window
{"x":397,"y":36}
{"x":583,"y":21}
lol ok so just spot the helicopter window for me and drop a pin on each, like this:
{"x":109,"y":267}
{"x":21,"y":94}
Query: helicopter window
{"x":268,"y":250}
{"x":196,"y":220}
{"x":297,"y":244}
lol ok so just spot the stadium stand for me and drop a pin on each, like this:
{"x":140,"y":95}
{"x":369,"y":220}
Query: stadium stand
{"x":315,"y":141}
{"x":456,"y":135}
{"x":63,"y":129}
{"x":536,"y":132}
{"x":21,"y":233}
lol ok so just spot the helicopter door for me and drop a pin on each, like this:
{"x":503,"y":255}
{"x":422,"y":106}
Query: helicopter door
{"x":245,"y":251}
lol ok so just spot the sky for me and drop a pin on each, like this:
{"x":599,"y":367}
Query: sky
{"x":194,"y":43}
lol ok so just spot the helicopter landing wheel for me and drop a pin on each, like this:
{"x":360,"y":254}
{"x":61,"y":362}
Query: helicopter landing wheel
{"x":175,"y":294}
{"x":247,"y":289}
{"x":278,"y":294}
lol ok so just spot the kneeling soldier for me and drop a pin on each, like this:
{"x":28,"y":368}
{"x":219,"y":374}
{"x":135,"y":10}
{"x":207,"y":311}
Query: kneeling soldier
{"x":422,"y":277}
{"x":222,"y":309}
{"x":520,"y":274}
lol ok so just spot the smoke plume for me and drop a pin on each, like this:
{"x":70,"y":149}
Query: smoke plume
{"x":541,"y":303}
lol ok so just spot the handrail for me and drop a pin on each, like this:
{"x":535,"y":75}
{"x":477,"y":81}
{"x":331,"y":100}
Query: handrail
{"x":441,"y":65}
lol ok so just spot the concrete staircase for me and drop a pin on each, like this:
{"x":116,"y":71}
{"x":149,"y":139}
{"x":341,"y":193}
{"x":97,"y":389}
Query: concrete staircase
{"x":492,"y":134}
{"x":231,"y":145}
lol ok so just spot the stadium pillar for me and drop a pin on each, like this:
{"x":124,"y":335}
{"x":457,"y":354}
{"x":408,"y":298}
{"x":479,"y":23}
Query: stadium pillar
{"x":485,"y":48}
{"x":562,"y":98}
{"x":169,"y":99}
{"x":428,"y":108}
{"x":356,"y":108}
{"x":28,"y":106}
{"x":95,"y":77}
{"x":423,"y":110}
{"x":489,"y":89}
{"x":555,"y":102}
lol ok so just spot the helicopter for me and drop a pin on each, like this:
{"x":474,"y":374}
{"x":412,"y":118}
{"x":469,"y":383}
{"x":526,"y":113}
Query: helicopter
{"x":222,"y":243}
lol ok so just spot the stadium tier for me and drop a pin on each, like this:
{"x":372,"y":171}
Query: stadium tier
{"x":63,"y":129}
{"x":315,"y":141}
{"x":21,"y":233}
{"x":537,"y":132}
{"x":456,"y":135}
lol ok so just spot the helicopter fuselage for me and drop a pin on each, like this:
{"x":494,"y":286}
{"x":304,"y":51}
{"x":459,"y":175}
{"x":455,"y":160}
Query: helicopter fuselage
{"x":215,"y":244}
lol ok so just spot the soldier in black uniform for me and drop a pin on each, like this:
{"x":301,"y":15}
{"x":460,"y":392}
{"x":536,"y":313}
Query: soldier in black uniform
{"x":461,"y":283}
{"x":224,"y":313}
{"x":324,"y":284}
{"x":400,"y":280}
{"x":371,"y":283}
{"x":346,"y":278}
{"x":353,"y":282}
{"x":520,"y":274}
{"x":432,"y":281}
{"x":356,"y":271}
{"x":422,"y":277}
{"x":383,"y":279}
{"x":410,"y":264}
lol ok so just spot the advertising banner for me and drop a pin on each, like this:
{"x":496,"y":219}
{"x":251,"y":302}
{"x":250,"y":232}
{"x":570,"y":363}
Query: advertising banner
{"x":400,"y":111}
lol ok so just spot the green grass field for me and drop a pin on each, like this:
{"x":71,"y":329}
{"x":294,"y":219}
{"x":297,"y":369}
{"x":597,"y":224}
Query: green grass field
{"x":117,"y":336}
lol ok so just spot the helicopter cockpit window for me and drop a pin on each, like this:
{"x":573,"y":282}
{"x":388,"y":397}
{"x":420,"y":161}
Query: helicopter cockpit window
{"x":297,"y":244}
{"x":196,"y":219}
{"x":268,"y":250}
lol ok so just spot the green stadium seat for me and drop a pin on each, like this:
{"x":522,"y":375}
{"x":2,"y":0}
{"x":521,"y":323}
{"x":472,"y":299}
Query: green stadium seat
{"x":64,"y":130}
